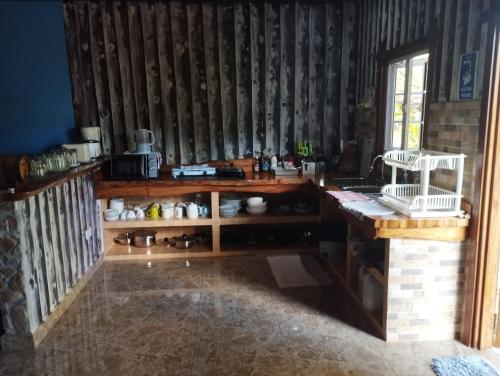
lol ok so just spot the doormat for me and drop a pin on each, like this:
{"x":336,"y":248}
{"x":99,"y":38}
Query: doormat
{"x":463,"y":366}
{"x":298,"y":271}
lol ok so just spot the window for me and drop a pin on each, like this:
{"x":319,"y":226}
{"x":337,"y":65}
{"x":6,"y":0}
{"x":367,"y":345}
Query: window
{"x":407,"y":80}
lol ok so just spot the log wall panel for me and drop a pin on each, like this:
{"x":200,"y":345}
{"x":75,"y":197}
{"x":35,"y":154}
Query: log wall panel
{"x":212,"y":80}
{"x":454,"y":26}
{"x":49,"y":226}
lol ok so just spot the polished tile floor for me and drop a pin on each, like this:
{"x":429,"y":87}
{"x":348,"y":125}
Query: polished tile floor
{"x":216,"y":317}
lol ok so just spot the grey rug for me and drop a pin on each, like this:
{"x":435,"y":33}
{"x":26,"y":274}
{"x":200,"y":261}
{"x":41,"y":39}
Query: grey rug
{"x":463,"y":366}
{"x":298,"y":271}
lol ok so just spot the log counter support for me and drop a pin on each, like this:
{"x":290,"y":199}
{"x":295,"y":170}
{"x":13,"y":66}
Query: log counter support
{"x":50,"y":245}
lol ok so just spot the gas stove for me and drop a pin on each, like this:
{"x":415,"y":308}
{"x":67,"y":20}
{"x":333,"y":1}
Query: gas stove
{"x":193,"y":171}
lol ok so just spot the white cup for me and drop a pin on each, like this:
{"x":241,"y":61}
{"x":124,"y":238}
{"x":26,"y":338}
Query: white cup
{"x":179,"y":211}
{"x":167,"y":211}
{"x":123,"y":215}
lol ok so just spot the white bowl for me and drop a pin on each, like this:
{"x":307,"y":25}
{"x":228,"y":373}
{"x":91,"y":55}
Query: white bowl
{"x":117,"y":203}
{"x":227,"y":210}
{"x":111,"y":215}
{"x":259,"y":206}
{"x":254,"y":201}
{"x":256,"y":210}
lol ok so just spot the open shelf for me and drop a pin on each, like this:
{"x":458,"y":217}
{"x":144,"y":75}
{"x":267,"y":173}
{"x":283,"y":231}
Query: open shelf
{"x":245,"y":218}
{"x":151,"y":223}
{"x":159,"y":251}
{"x":278,"y":248}
{"x":375,"y":273}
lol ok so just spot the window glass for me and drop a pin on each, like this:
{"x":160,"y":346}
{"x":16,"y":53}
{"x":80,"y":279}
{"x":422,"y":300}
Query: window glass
{"x":407,"y":80}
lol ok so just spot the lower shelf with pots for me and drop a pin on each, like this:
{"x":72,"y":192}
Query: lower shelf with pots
{"x":214,"y":226}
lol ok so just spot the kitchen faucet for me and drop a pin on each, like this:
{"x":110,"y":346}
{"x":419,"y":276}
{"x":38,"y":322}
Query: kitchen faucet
{"x":372,"y":166}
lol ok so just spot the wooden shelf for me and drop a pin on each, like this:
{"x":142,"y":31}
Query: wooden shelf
{"x":247,"y":219}
{"x":375,"y":273}
{"x":338,"y":266}
{"x":159,"y":251}
{"x":149,"y":223}
{"x":269,"y":248}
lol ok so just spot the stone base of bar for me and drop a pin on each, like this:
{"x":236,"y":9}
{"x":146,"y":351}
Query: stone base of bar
{"x":425,"y":290}
{"x":31,"y":341}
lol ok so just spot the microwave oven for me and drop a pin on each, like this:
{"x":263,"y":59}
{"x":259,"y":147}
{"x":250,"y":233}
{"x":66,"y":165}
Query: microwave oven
{"x":135,"y":166}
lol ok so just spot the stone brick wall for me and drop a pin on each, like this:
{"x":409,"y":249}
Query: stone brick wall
{"x":453,"y":127}
{"x":12,"y":297}
{"x":425,"y":290}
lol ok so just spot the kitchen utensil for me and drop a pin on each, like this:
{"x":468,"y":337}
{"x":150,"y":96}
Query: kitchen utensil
{"x":303,"y":208}
{"x":227,"y":210}
{"x":131,"y":215}
{"x":139,"y":212}
{"x":253,"y":201}
{"x":123,"y":215}
{"x":181,"y":242}
{"x":38,"y":167}
{"x":179,"y":210}
{"x":91,"y":133}
{"x":153,"y":211}
{"x":144,"y":238}
{"x":124,"y":239}
{"x":257,"y":210}
{"x":205,"y":210}
{"x":167,"y":210}
{"x":111,"y":214}
{"x":144,"y":140}
{"x":193,"y":211}
{"x":117,"y":203}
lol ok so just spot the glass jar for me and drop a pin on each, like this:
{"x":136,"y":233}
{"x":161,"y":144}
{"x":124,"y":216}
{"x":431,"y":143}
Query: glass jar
{"x":38,"y":167}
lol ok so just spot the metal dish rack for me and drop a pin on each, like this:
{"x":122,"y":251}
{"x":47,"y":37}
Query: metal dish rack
{"x":423,"y":200}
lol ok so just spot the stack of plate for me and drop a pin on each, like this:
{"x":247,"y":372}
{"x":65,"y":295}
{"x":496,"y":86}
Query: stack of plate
{"x":232,"y":200}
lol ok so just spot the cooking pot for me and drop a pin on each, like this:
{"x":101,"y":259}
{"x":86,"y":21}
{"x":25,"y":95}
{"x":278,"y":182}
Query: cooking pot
{"x":181,"y":242}
{"x":144,"y":238}
{"x":124,"y":239}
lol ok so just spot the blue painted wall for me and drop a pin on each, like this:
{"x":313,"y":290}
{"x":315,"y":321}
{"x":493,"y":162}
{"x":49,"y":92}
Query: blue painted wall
{"x":35,"y":89}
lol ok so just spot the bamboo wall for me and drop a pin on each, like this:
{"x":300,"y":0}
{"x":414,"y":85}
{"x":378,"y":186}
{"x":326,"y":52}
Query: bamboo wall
{"x":47,"y":244}
{"x":454,"y":26}
{"x":214,"y":80}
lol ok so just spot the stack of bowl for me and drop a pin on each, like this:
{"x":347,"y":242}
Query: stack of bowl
{"x":111,"y":214}
{"x":256,"y":205}
{"x":232,"y":200}
{"x":227,"y":210}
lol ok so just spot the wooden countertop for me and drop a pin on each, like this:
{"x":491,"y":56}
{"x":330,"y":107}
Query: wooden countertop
{"x":33,"y":187}
{"x":265,"y":183}
{"x":393,"y":226}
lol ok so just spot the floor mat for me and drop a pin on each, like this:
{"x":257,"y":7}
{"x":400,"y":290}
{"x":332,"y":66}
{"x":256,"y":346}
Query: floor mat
{"x":463,"y":366}
{"x":298,"y":271}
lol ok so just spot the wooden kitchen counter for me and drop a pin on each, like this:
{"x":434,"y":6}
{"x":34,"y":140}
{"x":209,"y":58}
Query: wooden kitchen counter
{"x":33,"y":187}
{"x":166,"y":185}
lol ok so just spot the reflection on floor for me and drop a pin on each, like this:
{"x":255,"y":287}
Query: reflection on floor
{"x":217,"y":317}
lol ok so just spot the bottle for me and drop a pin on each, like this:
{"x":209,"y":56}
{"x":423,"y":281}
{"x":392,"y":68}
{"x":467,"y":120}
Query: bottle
{"x":274,"y":161}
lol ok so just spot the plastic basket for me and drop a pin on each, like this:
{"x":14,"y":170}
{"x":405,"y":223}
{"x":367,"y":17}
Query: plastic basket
{"x":409,"y":199}
{"x":415,"y":160}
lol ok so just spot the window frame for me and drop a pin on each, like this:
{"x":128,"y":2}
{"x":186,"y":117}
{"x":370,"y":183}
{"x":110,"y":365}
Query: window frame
{"x":407,"y":94}
{"x":417,"y":47}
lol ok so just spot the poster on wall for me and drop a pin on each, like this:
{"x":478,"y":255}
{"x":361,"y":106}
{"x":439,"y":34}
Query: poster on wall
{"x":467,"y":76}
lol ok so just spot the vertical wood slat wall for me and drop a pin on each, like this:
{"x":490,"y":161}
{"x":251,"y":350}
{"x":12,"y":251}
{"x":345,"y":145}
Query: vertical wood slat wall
{"x":214,"y":80}
{"x":60,"y":238}
{"x":458,"y":25}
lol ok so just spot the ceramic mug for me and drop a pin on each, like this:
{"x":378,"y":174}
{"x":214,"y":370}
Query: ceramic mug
{"x":205,"y":211}
{"x":179,"y":210}
{"x":193,"y":211}
{"x":139,"y":213}
{"x":153,"y":211}
{"x":167,"y":211}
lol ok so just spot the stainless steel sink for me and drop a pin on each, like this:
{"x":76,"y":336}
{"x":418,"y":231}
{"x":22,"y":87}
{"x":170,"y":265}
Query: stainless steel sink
{"x":362,"y":185}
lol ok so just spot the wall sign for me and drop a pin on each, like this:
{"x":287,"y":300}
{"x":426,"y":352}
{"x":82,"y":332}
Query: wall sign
{"x":467,"y":76}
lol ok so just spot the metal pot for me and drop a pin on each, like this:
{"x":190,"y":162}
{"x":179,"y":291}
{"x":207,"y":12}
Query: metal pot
{"x":124,"y":239}
{"x":144,"y":238}
{"x":181,"y":242}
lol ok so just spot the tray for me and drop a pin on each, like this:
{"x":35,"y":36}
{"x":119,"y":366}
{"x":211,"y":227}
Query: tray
{"x":416,"y":160}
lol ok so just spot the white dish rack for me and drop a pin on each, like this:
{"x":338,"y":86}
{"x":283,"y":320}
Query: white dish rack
{"x":423,"y":200}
